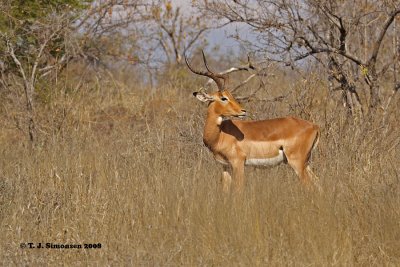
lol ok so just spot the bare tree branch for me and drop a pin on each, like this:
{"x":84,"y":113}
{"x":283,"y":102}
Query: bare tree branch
{"x":381,"y":35}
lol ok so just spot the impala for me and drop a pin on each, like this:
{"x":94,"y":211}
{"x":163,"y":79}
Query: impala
{"x":236,"y":143}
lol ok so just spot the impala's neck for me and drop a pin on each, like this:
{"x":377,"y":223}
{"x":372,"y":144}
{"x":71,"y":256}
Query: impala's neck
{"x":212,"y":128}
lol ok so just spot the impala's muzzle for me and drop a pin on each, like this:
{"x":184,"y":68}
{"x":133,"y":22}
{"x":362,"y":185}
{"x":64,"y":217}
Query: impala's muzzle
{"x":242,"y":115}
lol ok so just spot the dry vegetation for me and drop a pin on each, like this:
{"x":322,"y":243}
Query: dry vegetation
{"x":125,"y":167}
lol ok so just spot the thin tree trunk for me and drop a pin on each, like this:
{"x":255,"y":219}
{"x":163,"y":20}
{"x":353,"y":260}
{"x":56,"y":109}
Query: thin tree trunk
{"x":29,"y":90}
{"x":374,"y":90}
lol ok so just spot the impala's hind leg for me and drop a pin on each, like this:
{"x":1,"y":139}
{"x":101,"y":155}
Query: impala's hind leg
{"x":312,"y":175}
{"x":299,"y":166}
{"x":314,"y":178}
{"x":298,"y":156}
{"x":306,"y":175}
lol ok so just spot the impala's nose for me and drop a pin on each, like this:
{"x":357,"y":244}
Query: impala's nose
{"x":243,"y":114}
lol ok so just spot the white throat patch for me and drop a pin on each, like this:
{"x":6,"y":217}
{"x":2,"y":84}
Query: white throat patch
{"x":219,"y":120}
{"x":266,"y":161}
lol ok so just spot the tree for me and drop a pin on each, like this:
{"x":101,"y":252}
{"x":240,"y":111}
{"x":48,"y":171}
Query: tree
{"x":175,"y":31}
{"x":151,"y":35}
{"x":39,"y":38}
{"x":346,"y":39}
{"x":32,"y":41}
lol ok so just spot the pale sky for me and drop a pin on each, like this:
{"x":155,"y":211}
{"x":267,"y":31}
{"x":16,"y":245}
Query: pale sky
{"x":215,"y":37}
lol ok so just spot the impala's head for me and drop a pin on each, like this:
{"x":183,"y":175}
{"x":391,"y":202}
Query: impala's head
{"x":222,"y":103}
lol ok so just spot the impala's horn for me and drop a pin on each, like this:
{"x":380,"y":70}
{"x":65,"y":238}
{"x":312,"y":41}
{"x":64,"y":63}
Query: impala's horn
{"x":219,"y":79}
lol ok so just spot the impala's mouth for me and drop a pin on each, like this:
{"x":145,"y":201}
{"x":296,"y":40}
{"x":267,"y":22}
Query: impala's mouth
{"x":241,"y":115}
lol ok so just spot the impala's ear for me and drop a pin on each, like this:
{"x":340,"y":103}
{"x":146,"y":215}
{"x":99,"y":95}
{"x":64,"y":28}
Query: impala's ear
{"x":203,"y":96}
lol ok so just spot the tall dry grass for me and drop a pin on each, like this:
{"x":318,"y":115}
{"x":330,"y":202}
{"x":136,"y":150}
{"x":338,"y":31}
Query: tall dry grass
{"x":126,"y":168}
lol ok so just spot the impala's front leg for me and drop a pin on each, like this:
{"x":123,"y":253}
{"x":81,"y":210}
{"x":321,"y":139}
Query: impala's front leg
{"x":238,"y":174}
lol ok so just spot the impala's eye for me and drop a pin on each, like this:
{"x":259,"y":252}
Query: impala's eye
{"x":224,"y":99}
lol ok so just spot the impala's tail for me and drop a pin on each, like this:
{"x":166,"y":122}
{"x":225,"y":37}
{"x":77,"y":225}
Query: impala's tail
{"x":316,"y":141}
{"x":314,"y":178}
{"x":314,"y":145}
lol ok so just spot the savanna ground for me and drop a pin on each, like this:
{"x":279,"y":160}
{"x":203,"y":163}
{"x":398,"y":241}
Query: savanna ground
{"x":125,"y":167}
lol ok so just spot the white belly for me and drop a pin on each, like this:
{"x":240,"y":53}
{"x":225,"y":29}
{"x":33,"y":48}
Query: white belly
{"x":266,"y":161}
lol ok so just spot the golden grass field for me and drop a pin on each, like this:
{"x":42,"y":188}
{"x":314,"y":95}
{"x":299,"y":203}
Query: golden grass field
{"x":126,"y":167}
